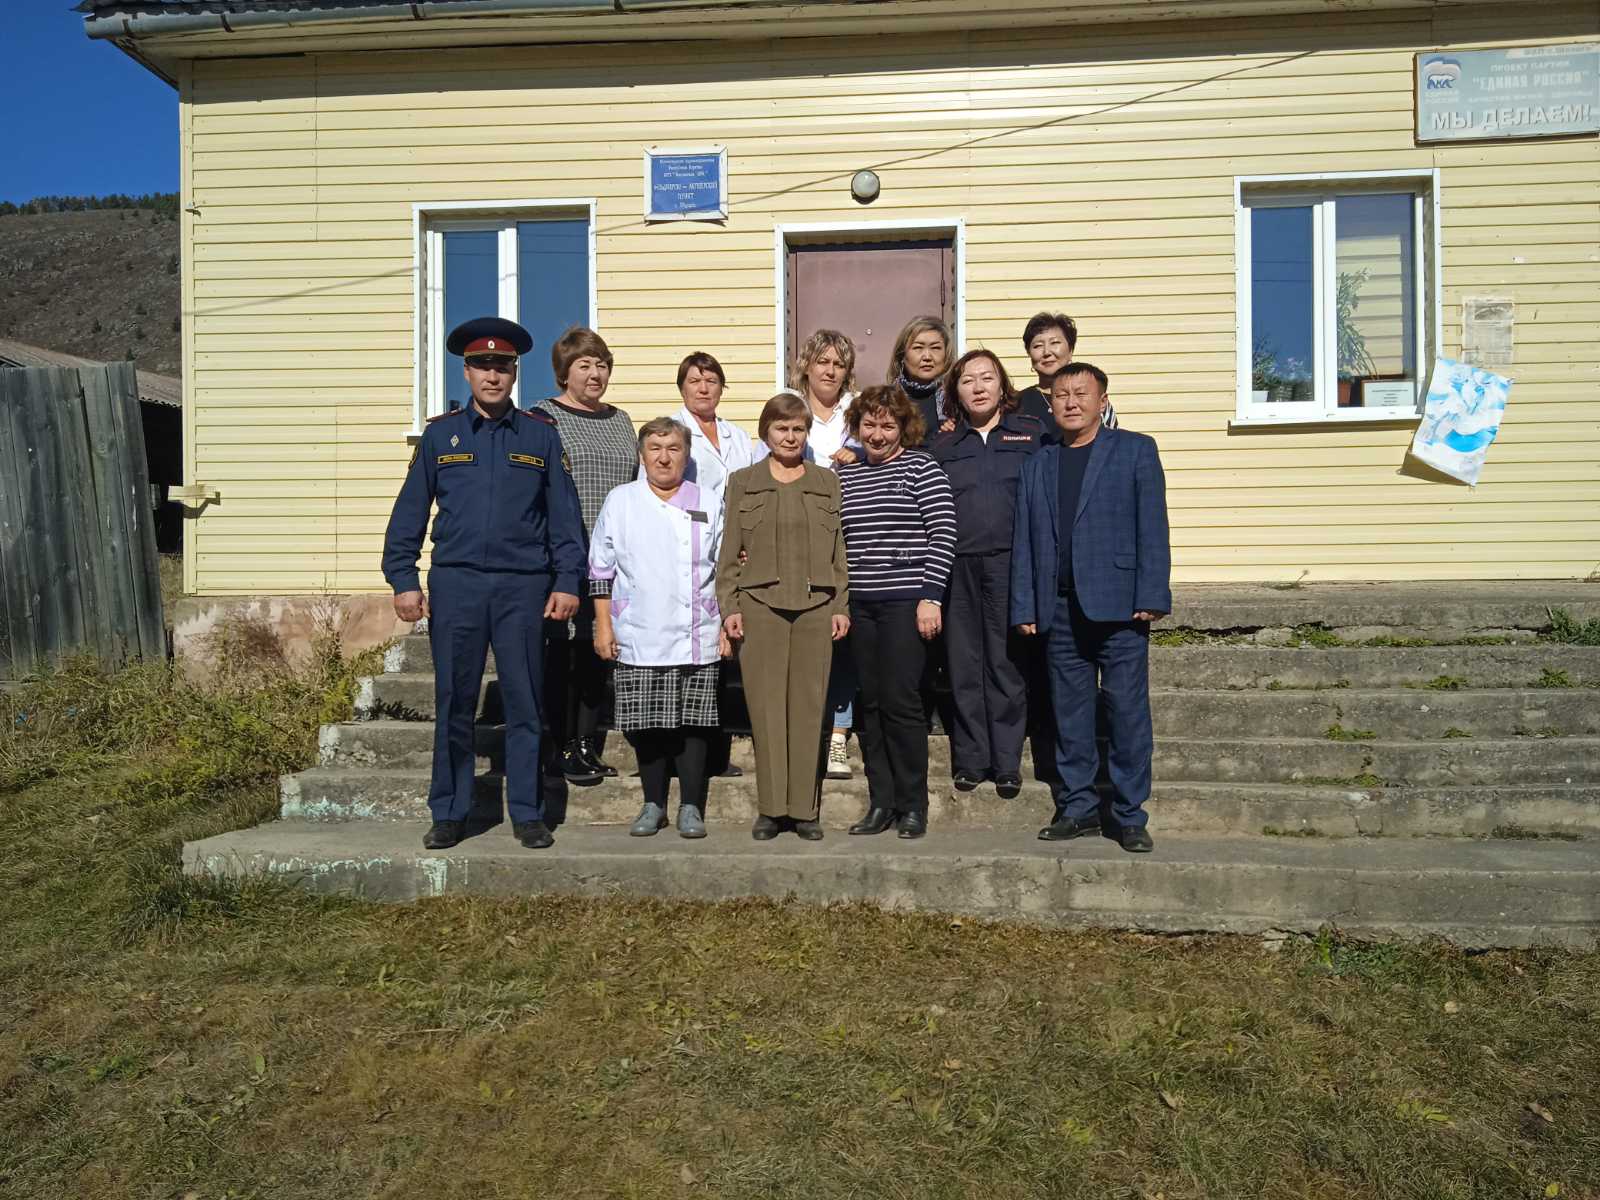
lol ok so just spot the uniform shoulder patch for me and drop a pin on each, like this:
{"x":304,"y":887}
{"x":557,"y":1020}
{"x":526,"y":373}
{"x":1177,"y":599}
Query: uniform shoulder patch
{"x":1026,"y":419}
{"x":449,"y":413}
{"x":538,"y":414}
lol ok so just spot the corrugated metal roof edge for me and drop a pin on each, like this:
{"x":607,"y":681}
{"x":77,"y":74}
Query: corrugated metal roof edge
{"x":166,"y":390}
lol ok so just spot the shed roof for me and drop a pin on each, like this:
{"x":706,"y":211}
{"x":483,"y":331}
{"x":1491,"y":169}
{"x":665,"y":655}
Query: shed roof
{"x":153,"y":389}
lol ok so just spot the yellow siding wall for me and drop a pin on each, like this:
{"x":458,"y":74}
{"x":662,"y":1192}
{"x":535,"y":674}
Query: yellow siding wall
{"x":1094,"y":169}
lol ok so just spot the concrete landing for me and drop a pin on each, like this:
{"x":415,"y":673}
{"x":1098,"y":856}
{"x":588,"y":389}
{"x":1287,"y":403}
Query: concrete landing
{"x":1476,"y":893}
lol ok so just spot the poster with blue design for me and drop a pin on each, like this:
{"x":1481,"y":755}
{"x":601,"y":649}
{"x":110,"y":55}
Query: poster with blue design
{"x":1464,"y":409}
{"x":686,"y":184}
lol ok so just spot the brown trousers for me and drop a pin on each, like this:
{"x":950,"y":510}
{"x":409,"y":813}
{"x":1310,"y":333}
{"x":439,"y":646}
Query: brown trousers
{"x":785,"y":662}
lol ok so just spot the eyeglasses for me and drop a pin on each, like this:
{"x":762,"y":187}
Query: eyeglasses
{"x":503,"y":365}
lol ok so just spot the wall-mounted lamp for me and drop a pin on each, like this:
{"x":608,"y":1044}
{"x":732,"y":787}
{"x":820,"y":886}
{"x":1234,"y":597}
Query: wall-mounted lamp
{"x":864,"y":186}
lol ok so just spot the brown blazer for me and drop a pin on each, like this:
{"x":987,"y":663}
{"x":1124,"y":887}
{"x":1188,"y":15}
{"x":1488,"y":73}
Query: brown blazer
{"x":750,"y":525}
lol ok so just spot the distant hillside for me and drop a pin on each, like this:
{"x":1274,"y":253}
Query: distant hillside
{"x":100,"y":284}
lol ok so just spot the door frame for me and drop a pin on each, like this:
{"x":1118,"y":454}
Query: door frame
{"x":785,"y":235}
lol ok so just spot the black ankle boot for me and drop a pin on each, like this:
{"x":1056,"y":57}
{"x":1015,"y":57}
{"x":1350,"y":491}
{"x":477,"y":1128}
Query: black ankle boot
{"x":575,"y":767}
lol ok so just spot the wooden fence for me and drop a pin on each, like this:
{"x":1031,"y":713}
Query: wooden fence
{"x":78,"y":569}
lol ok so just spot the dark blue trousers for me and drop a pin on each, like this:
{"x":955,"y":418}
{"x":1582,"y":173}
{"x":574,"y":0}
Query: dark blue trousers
{"x":1089,"y":659}
{"x":469,"y":611}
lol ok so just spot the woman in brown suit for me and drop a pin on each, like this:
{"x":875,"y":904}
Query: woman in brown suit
{"x":784,"y":595}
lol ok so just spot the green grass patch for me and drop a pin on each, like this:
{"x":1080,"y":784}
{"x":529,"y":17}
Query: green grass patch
{"x":166,"y":1036}
{"x":1366,"y":779}
{"x":1305,"y":832}
{"x":1568,"y":629}
{"x":1319,"y":636}
{"x":1551,"y":677}
{"x":1338,"y":733}
{"x":1395,"y":642}
{"x":1519,"y":833}
{"x":1441,"y":683}
{"x":1277,"y":685}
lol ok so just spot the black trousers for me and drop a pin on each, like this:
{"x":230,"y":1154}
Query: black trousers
{"x":991,"y":703}
{"x":891,"y":723}
{"x":663,"y":751}
{"x":576,"y":679}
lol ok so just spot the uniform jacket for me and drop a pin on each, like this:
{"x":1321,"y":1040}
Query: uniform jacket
{"x":1121,"y":556}
{"x":660,"y":557}
{"x":505,"y":498}
{"x":983,"y":475}
{"x":750,"y":524}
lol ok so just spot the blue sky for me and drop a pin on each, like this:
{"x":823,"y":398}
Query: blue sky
{"x":83,"y":118}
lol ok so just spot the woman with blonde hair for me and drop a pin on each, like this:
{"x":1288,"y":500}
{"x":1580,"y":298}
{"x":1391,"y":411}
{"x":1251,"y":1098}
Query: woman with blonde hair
{"x":917,"y":367}
{"x":824,"y":377}
{"x":784,"y":595}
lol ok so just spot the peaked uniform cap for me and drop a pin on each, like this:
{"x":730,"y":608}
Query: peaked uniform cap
{"x":489,"y":335}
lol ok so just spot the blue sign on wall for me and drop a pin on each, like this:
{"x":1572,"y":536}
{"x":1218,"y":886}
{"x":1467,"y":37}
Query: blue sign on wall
{"x":686,"y":185}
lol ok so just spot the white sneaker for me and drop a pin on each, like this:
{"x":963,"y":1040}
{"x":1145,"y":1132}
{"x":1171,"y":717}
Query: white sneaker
{"x":838,"y":759}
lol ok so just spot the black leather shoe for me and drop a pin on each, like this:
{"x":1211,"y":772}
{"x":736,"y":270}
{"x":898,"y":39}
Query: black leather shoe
{"x":589,"y":751}
{"x":1064,"y":829}
{"x":576,"y":768}
{"x":811,"y":831}
{"x":765,"y":829}
{"x":535,"y":835}
{"x":1136,"y":839}
{"x":443,"y":835}
{"x":913,"y":824}
{"x":731,"y":771}
{"x":966,"y":781}
{"x":876,"y":821}
{"x":1009,"y":786}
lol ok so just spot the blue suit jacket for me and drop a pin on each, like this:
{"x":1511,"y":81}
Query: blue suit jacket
{"x":1121,"y":556}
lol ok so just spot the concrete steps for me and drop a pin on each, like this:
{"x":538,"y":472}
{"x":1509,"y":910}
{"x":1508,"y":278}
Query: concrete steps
{"x":1487,"y":893}
{"x":1226,"y":667}
{"x":332,"y":794}
{"x":1448,"y":789}
{"x":1187,"y":712}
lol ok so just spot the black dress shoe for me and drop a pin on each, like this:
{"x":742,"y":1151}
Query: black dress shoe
{"x":1064,"y":829}
{"x":913,"y":824}
{"x":966,"y":781}
{"x":576,"y":768}
{"x":731,"y":771}
{"x":1136,"y":839}
{"x":589,"y":751}
{"x":811,"y":831}
{"x":443,"y":835}
{"x":1008,"y":785}
{"x":876,"y":821}
{"x":765,"y":829}
{"x":535,"y":835}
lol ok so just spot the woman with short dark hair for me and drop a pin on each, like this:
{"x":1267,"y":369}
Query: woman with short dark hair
{"x":1050,"y":339}
{"x":917,"y":366}
{"x":603,"y":454}
{"x":655,"y":548}
{"x":784,"y":596}
{"x":983,"y":457}
{"x":900,"y":534}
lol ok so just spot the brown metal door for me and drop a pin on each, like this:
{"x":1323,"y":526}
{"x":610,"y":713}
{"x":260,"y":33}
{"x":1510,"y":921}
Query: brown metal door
{"x":868,"y":291}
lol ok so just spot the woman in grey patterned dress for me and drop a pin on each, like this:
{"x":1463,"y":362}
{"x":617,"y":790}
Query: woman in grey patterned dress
{"x":599,"y":441}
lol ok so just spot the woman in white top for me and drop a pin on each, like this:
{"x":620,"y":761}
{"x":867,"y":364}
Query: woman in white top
{"x":656,"y":543}
{"x":824,"y":376}
{"x":717,"y":448}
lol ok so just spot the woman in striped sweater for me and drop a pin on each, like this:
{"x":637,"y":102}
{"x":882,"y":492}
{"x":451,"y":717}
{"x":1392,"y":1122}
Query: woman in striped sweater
{"x":900,"y":536}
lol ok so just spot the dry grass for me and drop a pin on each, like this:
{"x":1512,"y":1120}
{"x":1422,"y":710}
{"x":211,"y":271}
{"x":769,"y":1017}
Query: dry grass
{"x":162,"y":1038}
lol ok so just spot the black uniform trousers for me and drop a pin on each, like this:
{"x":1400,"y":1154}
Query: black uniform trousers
{"x":991,"y":703}
{"x":891,"y":724}
{"x":469,"y":611}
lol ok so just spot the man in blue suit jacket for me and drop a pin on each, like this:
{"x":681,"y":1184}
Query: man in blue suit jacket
{"x":1091,"y":567}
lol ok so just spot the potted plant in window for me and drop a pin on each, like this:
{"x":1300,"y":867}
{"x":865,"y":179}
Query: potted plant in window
{"x":1354,"y":361}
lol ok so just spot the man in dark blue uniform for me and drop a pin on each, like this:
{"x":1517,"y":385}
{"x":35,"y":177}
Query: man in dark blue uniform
{"x":984,"y":462}
{"x":508,"y":553}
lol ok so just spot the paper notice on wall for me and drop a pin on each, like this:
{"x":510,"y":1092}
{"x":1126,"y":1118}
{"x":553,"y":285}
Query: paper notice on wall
{"x":1464,"y":409}
{"x":1487,"y":334}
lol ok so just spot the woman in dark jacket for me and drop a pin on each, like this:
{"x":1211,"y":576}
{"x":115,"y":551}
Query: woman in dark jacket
{"x":983,"y":457}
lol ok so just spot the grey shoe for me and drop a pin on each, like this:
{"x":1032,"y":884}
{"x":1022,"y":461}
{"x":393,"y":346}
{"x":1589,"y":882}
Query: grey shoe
{"x":652,"y":820}
{"x":690,"y":823}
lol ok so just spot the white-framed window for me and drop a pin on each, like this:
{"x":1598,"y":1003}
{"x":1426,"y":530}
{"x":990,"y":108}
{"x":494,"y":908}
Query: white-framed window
{"x":530,"y":261}
{"x":1338,"y":296}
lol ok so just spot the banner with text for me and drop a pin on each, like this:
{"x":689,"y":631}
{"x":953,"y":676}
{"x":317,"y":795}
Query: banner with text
{"x":1528,"y":91}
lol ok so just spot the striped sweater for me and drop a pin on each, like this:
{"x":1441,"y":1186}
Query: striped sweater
{"x":899,"y":527}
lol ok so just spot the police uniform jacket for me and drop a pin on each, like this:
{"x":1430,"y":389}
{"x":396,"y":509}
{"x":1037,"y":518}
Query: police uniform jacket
{"x":660,"y":557}
{"x":983,"y":476}
{"x":505,"y":497}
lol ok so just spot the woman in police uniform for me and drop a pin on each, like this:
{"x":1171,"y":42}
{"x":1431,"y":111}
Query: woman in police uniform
{"x":983,"y":456}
